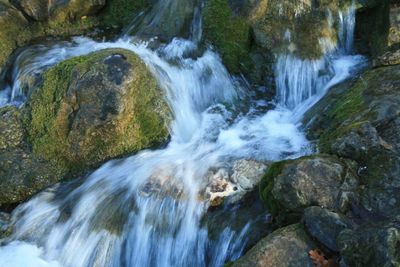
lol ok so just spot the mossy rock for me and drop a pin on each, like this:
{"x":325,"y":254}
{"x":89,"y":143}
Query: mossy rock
{"x":290,"y":186}
{"x":229,"y":33}
{"x":96,"y":107}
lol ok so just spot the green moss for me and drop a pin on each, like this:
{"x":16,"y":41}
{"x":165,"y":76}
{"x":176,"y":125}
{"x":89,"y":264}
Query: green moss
{"x":267,"y":185}
{"x":229,"y":33}
{"x":74,"y":149}
{"x":118,"y":13}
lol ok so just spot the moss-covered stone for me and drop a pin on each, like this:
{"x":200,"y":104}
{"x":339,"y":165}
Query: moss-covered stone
{"x":95,"y":107}
{"x":229,"y":33}
{"x":293,"y":185}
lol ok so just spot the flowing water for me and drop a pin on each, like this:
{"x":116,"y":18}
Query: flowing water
{"x":146,"y":210}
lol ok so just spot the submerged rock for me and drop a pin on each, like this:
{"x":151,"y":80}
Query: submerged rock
{"x":288,"y":246}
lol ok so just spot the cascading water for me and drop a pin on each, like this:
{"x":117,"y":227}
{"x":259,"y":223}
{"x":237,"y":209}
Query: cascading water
{"x":146,"y":210}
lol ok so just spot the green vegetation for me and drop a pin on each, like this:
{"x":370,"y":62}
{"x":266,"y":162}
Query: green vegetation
{"x":229,"y":33}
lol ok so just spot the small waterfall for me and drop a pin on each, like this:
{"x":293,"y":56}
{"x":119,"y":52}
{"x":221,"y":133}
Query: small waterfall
{"x":347,"y":20}
{"x":299,"y":81}
{"x":146,"y":210}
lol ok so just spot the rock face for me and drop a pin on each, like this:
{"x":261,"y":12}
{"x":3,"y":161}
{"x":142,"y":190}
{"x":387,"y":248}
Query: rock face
{"x":88,"y":109}
{"x":371,"y":245}
{"x":287,"y":246}
{"x":291,"y":186}
{"x":362,"y":125}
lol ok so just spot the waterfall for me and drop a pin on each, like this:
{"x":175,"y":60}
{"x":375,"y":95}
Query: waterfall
{"x":121,"y":215}
{"x":299,"y":82}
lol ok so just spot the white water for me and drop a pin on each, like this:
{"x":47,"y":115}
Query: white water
{"x":145,"y":210}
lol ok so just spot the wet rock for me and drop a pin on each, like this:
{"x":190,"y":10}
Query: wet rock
{"x":96,"y":107}
{"x":291,"y":186}
{"x":288,"y":246}
{"x":325,"y":226}
{"x":88,"y":110}
{"x":371,"y":245}
{"x":22,"y":175}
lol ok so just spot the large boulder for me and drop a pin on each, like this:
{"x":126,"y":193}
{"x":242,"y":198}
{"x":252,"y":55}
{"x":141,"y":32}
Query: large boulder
{"x":96,"y":107}
{"x":287,"y":246}
{"x":375,"y":244}
{"x":87,"y":110}
{"x":291,"y":186}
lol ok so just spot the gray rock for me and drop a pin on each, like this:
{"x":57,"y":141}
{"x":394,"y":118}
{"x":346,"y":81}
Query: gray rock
{"x":325,"y":225}
{"x":291,"y":186}
{"x":286,"y":247}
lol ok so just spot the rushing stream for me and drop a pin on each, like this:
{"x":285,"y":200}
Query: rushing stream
{"x":115,"y":216}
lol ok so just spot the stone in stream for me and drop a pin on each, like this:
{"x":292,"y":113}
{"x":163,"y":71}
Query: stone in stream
{"x":228,"y":186}
{"x":286,"y":247}
{"x":290,"y":186}
{"x":87,"y":110}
